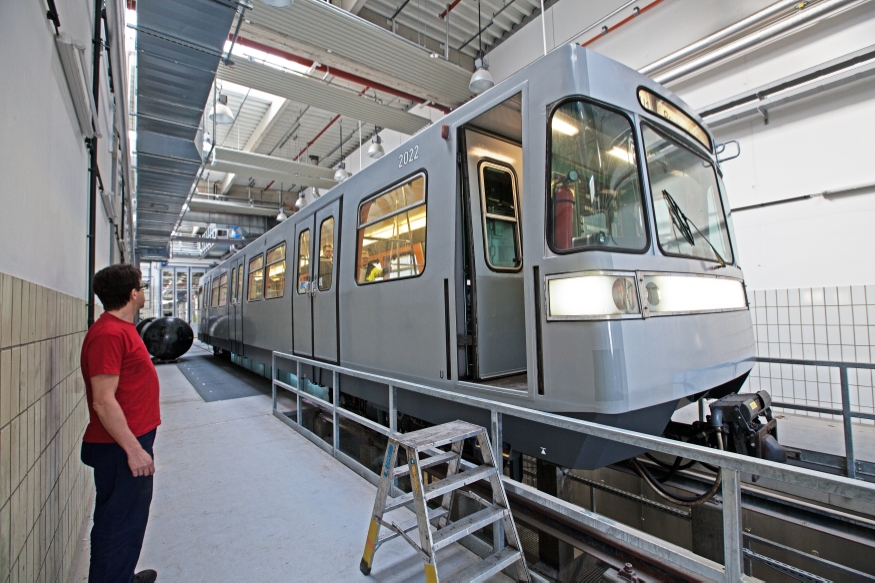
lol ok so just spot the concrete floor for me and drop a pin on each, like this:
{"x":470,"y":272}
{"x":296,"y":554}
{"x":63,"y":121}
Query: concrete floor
{"x":239,"y":496}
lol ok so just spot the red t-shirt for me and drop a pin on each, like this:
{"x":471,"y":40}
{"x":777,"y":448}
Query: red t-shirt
{"x":112,"y":346}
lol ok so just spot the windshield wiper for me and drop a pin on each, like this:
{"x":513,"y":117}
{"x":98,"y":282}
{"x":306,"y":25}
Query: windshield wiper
{"x":683,"y":222}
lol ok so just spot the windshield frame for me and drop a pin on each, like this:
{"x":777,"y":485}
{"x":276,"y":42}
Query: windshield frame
{"x":548,"y":165}
{"x":698,"y":151}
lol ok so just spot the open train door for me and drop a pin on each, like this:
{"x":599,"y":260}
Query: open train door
{"x":494,"y":176}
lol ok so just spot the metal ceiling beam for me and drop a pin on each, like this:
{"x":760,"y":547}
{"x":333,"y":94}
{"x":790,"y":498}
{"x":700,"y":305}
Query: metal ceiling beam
{"x":257,"y":136}
{"x":320,"y":95}
{"x":184,"y":239}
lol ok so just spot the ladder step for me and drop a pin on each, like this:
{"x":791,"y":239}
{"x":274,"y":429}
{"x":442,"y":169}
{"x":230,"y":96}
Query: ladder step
{"x":489,"y":566}
{"x":410,"y":524}
{"x":471,"y":523}
{"x":443,"y":486}
{"x":441,"y":458}
{"x":439,"y":435}
{"x":456,"y":481}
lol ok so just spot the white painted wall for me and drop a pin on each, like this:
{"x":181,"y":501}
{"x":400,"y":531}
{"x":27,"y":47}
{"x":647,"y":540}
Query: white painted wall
{"x":811,"y":146}
{"x":43,"y":159}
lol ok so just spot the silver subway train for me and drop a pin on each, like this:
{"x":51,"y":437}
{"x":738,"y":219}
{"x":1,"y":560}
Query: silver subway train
{"x":561,"y":242}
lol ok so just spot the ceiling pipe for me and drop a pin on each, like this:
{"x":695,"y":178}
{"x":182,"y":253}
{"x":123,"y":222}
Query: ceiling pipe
{"x":634,"y":14}
{"x":721,"y":35}
{"x":449,"y":9}
{"x":245,"y":42}
{"x":806,"y":17}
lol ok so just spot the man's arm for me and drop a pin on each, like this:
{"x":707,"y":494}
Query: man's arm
{"x":103,"y":388}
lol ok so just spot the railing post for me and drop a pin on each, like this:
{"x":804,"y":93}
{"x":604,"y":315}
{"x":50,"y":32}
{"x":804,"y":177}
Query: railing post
{"x":850,"y":463}
{"x":335,"y":419}
{"x":273,"y":380}
{"x":298,"y":395}
{"x":702,"y":410}
{"x":733,"y":553}
{"x":393,"y":410}
{"x":498,"y":456}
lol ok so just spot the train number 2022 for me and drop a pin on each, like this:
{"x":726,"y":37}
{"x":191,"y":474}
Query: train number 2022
{"x":408,"y":156}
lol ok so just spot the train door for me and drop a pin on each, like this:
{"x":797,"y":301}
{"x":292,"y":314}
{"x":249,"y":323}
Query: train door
{"x":235,"y":311}
{"x":494,"y":176}
{"x":323,"y":274}
{"x":302,"y":305}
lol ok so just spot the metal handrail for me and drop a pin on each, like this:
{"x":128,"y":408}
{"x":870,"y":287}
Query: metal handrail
{"x":845,"y":412}
{"x":731,"y":465}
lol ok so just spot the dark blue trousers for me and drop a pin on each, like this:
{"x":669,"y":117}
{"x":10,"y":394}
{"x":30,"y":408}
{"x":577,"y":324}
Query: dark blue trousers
{"x":121,"y":510}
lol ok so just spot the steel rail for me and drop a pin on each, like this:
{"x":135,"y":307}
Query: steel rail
{"x":732,"y":465}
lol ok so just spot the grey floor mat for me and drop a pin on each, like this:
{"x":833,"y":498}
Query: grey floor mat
{"x":219,"y":380}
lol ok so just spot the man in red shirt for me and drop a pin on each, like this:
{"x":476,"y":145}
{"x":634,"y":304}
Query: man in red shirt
{"x":121,"y":387}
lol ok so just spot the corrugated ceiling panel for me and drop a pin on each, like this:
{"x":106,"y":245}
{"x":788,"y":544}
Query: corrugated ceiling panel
{"x":272,"y":163}
{"x":333,"y":30}
{"x":321,"y":95}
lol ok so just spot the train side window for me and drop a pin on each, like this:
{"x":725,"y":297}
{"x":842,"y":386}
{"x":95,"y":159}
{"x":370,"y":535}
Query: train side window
{"x":498,"y":192}
{"x":223,"y":289}
{"x":303,"y":260}
{"x":256,"y":278}
{"x":276,"y":272}
{"x":326,"y":254}
{"x":391,"y":233}
{"x":214,"y":298}
{"x":596,"y":198}
{"x":240,"y":283}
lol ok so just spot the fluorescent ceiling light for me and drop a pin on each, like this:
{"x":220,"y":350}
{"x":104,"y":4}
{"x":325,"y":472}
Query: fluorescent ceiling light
{"x":623,"y":154}
{"x":563,"y":127}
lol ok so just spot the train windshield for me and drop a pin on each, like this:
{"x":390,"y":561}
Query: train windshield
{"x":686,"y":200}
{"x":595,"y":191}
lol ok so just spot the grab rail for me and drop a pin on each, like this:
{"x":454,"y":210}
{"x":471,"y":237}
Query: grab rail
{"x":845,"y":412}
{"x":731,"y":465}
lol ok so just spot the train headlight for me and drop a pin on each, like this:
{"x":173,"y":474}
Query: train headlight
{"x":592,"y":297}
{"x":677,"y":294}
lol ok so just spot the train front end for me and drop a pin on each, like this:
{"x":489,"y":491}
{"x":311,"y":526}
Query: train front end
{"x":644,"y":306}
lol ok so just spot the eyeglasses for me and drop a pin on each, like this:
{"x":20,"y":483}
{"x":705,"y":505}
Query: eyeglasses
{"x":143,"y":285}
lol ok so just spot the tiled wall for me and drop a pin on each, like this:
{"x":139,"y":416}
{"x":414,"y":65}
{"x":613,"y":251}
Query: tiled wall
{"x":823,"y":323}
{"x":44,"y":488}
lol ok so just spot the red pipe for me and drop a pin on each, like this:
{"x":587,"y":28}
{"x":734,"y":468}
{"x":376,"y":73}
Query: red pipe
{"x":337,"y":73}
{"x":621,"y":23}
{"x":443,"y":14}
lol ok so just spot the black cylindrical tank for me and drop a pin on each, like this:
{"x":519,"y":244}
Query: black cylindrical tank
{"x":141,"y":325}
{"x":167,"y":338}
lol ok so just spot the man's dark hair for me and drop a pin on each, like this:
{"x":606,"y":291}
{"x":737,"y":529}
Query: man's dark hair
{"x":113,"y":285}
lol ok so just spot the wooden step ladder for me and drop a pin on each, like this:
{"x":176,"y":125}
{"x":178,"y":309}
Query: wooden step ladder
{"x":435,"y":529}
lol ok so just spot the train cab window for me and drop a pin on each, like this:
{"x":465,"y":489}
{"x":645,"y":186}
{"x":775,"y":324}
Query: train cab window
{"x":326,"y":254}
{"x":303,"y":261}
{"x":391,"y":233}
{"x":595,"y":190}
{"x":498,"y":192}
{"x":214,"y":297}
{"x":240,"y":283}
{"x":686,"y":200}
{"x":223,"y":289}
{"x":276,"y":272}
{"x":256,"y":278}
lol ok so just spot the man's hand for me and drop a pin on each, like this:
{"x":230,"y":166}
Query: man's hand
{"x":140,"y":462}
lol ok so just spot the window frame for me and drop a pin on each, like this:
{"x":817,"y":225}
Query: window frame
{"x":408,"y":178}
{"x":488,"y":162}
{"x":249,"y":273}
{"x":240,"y":287}
{"x":319,"y":267}
{"x":298,"y":291}
{"x":233,"y":286}
{"x":683,"y":143}
{"x":548,"y":168}
{"x":223,"y":282}
{"x":267,"y":269}
{"x":214,"y":292}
